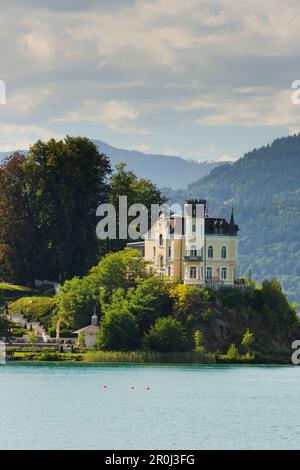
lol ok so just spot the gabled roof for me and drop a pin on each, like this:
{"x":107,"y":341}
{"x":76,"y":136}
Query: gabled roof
{"x":88,"y":329}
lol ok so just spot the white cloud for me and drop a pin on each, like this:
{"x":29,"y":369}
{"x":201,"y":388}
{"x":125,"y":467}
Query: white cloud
{"x":20,"y":137}
{"x":113,"y":114}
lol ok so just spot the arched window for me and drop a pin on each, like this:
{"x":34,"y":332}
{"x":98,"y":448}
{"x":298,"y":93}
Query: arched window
{"x":169,"y":251}
{"x":194,"y":228}
{"x":210,"y":252}
{"x":193,"y":250}
{"x":169,"y":271}
{"x":161,"y":261}
{"x":154,"y":252}
{"x":224,"y":252}
{"x":161,"y":240}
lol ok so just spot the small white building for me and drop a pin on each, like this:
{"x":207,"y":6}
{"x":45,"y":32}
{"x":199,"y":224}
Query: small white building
{"x":90,"y":332}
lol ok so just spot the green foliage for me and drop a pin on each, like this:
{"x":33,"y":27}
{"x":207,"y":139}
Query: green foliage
{"x":39,"y":309}
{"x":166,"y":335}
{"x":9,"y":292}
{"x":32,"y":336}
{"x":198,"y":341}
{"x":264,"y":187}
{"x":189,"y":300}
{"x":248,"y":341}
{"x":233,"y":352}
{"x":118,"y":330}
{"x":137,"y":190}
{"x":75,"y":303}
{"x":149,"y":301}
{"x":81,"y":341}
{"x":122,"y":269}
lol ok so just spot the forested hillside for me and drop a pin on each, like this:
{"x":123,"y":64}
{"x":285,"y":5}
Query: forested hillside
{"x":264,"y":189}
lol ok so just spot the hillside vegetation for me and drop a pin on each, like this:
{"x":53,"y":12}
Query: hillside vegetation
{"x":264,"y":189}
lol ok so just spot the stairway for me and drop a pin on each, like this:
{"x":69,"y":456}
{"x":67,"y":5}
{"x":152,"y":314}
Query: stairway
{"x":35,"y":326}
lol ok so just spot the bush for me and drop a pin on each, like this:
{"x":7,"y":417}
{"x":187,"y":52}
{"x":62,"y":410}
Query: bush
{"x":75,"y":303}
{"x":39,"y":309}
{"x":166,"y":335}
{"x":118,"y":331}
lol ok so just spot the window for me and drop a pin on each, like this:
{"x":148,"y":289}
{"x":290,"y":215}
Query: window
{"x":224,"y":274}
{"x":161,"y":261}
{"x":193,"y":272}
{"x":209,"y":273}
{"x":210,"y":252}
{"x":169,"y":271}
{"x":202,"y":272}
{"x":170,"y":251}
{"x":154,"y":252}
{"x":224,"y":252}
{"x":194,"y":228}
{"x":161,"y":240}
{"x":193,"y":250}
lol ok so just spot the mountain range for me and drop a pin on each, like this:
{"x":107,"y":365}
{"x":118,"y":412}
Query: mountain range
{"x":164,"y":170}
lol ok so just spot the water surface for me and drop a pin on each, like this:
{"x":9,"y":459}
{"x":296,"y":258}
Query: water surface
{"x":196,"y":407}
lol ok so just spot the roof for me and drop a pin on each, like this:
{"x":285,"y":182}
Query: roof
{"x":88,"y":329}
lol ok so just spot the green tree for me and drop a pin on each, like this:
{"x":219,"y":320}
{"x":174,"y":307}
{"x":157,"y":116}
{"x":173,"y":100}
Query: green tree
{"x":75,"y":303}
{"x":32,"y":337}
{"x":137,"y":190}
{"x":81,"y":341}
{"x":118,"y":330}
{"x":122,"y":269}
{"x":248,"y":341}
{"x":149,"y":301}
{"x":166,"y":335}
{"x":233,"y":352}
{"x":198,"y":341}
{"x":66,"y":181}
{"x":189,"y":301}
{"x":17,"y":230}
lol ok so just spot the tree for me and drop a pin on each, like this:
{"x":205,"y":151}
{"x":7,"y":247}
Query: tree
{"x":66,"y":181}
{"x":81,"y":341}
{"x":32,"y":337}
{"x":17,"y":230}
{"x":118,"y":331}
{"x":75,"y":303}
{"x":189,"y":301}
{"x":166,"y":335}
{"x":137,"y":190}
{"x":149,"y":301}
{"x":198,"y":341}
{"x":122,"y":269}
{"x":247,"y":341}
{"x":233,"y":352}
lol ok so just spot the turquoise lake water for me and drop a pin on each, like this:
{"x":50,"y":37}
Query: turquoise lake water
{"x":194,"y":407}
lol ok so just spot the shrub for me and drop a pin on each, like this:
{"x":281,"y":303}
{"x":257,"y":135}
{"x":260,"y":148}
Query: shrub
{"x":232,"y":352}
{"x":118,"y":330}
{"x":75,"y":303}
{"x":166,"y":335}
{"x":39,"y":309}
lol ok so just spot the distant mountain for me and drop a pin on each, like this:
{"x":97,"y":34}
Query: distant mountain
{"x":165,"y":171}
{"x":264,"y":189}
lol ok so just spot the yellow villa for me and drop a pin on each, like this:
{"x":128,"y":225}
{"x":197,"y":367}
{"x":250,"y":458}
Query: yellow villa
{"x":197,"y":249}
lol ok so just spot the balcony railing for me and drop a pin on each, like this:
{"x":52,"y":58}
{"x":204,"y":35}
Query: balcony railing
{"x":193,"y":255}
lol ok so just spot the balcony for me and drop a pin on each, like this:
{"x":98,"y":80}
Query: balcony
{"x":193,"y":255}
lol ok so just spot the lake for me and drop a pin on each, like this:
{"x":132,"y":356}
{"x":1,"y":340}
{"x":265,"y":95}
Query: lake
{"x":66,"y":406}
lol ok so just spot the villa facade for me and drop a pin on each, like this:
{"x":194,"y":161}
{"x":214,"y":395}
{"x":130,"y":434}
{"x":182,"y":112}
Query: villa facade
{"x":196,"y":249}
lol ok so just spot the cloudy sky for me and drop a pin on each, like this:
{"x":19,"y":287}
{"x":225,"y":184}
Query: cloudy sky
{"x":201,"y":79}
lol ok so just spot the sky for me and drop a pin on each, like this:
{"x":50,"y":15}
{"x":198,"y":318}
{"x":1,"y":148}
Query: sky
{"x":207,"y":80}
